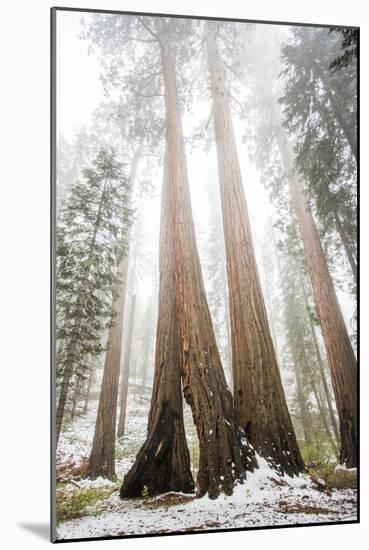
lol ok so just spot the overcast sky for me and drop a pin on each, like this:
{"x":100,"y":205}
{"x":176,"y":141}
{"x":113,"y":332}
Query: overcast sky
{"x":79,"y":91}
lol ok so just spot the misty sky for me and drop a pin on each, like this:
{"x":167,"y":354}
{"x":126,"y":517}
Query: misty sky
{"x":79,"y":92}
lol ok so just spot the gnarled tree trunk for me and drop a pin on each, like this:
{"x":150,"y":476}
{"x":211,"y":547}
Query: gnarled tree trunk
{"x":259,"y":398}
{"x":225,"y":455}
{"x":163,"y":462}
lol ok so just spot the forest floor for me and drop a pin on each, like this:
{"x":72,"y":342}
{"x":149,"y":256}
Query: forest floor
{"x":87,"y":508}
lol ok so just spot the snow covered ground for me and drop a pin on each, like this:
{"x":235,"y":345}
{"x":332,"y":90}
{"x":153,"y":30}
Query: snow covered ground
{"x":264,"y":499}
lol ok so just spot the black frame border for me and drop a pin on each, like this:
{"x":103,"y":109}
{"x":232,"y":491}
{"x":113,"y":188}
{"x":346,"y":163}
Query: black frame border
{"x":53,"y":134}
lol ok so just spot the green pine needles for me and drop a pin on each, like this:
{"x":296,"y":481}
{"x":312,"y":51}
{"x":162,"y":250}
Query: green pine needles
{"x":91,"y":243}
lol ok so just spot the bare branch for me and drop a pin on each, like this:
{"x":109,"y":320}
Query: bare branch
{"x":209,"y":119}
{"x":238,"y":103}
{"x":146,"y":40}
{"x":150,"y":31}
{"x":148,"y":95}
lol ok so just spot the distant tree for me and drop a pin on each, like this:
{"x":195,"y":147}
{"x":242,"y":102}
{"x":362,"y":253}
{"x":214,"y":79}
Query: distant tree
{"x":216,"y":276}
{"x":273,"y":142}
{"x":302,"y":347}
{"x":340,"y":354}
{"x":320,"y":110}
{"x":72,"y":156}
{"x":89,"y":248}
{"x":126,"y":369}
{"x":349,"y":47}
{"x":102,"y":457}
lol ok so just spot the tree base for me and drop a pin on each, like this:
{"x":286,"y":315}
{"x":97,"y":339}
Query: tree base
{"x":163,"y":463}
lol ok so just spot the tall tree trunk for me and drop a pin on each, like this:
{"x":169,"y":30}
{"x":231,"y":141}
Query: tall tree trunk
{"x":102,"y":457}
{"x":323,"y":416}
{"x":76,"y":396}
{"x":341,"y":358}
{"x":224,"y":453}
{"x":259,"y":398}
{"x":308,"y":377}
{"x":88,"y":390}
{"x":125,"y":368}
{"x":163,"y":462}
{"x":327,"y":392}
{"x":69,"y":363}
{"x":301,"y":399}
{"x":346,"y":243}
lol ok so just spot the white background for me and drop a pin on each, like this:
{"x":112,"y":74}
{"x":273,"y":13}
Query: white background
{"x":24,"y":254}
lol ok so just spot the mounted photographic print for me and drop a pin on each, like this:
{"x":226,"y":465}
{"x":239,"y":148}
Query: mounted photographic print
{"x":204,"y":221}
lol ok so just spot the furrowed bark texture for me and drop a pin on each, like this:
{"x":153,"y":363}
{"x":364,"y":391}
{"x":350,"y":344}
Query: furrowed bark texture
{"x":346,"y":244}
{"x":102,"y":457}
{"x":259,"y":398}
{"x":163,"y":462}
{"x":224,"y":452}
{"x":341,"y":357}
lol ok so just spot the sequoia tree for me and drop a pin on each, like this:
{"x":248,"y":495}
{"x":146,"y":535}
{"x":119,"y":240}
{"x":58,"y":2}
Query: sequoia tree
{"x":341,"y":357}
{"x":259,"y":398}
{"x":225,"y":455}
{"x":275,"y":140}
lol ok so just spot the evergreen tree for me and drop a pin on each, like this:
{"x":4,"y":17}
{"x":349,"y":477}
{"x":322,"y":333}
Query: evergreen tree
{"x":90,"y":246}
{"x":320,"y":110}
{"x":277,"y":146}
{"x":102,"y":457}
{"x":349,"y":47}
{"x":72,"y":156}
{"x":300,"y":350}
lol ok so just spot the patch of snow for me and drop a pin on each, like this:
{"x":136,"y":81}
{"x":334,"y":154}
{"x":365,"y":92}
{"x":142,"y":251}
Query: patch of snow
{"x":265,"y":498}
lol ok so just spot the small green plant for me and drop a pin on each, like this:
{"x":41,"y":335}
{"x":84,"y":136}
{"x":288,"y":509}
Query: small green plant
{"x":126,"y":450}
{"x":73,"y":505}
{"x":145,"y":492}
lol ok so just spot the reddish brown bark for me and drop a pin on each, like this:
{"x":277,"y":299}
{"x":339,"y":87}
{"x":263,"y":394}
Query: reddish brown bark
{"x":225,"y":455}
{"x":102,"y":457}
{"x":259,"y":398}
{"x":341,"y":358}
{"x":163,"y":462}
